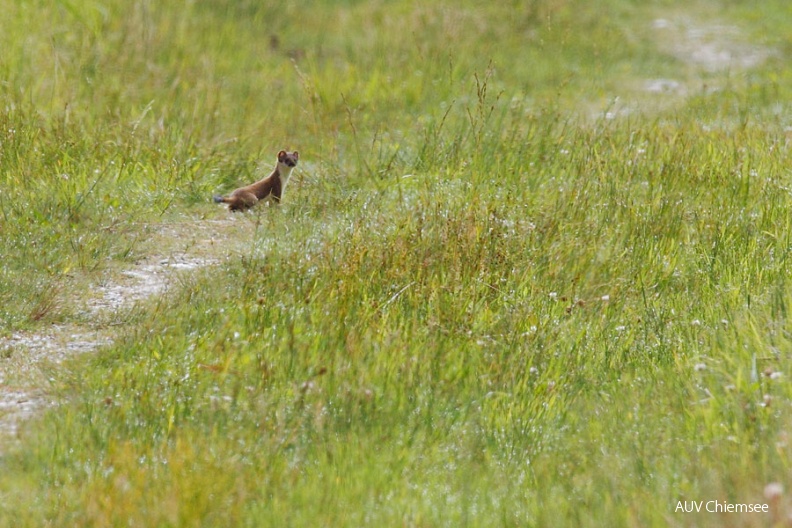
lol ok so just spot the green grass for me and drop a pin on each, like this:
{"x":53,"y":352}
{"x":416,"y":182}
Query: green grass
{"x":482,"y":303}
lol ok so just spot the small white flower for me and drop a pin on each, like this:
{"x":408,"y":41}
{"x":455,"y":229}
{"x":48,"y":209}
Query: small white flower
{"x":660,"y":23}
{"x":773,"y":491}
{"x":698,"y":367}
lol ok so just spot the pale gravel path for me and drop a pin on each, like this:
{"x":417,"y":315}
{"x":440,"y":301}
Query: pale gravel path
{"x":710,"y":51}
{"x":26,"y":357}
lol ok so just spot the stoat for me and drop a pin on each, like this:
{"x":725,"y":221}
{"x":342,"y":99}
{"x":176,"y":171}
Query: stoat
{"x":271,"y":186}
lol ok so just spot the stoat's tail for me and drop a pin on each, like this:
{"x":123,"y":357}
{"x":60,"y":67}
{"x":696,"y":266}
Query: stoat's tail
{"x":218,"y":199}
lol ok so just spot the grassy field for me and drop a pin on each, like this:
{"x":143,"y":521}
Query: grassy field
{"x":509,"y":285}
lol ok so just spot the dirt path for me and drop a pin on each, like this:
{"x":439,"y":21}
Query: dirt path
{"x":708,"y":50}
{"x":707,"y":46}
{"x":26,"y":358}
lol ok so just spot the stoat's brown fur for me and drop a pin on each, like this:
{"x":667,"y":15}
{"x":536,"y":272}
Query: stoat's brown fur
{"x":270,"y":187}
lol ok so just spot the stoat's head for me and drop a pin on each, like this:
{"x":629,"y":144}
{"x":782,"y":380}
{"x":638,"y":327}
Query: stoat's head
{"x":287,"y":161}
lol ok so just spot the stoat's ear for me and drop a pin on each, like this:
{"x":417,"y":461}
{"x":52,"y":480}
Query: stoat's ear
{"x":281,"y":154}
{"x":296,"y":154}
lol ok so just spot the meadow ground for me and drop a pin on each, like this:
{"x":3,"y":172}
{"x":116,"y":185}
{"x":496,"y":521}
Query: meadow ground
{"x":532,"y":269}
